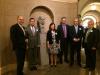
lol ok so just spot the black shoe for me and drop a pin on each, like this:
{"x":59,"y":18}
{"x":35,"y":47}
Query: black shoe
{"x":20,"y":73}
{"x":79,"y":65}
{"x":51,"y":65}
{"x":91,"y":69}
{"x":85,"y":67}
{"x":66,"y":61}
{"x":71,"y":64}
{"x":55,"y":66}
{"x":33,"y":68}
{"x":61,"y":62}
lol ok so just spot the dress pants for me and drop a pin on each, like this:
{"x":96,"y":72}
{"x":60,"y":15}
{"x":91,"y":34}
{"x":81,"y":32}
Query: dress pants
{"x":90,"y":57}
{"x":64,"y":50}
{"x":32,"y":57}
{"x":20,"y":57}
{"x":75,"y":49}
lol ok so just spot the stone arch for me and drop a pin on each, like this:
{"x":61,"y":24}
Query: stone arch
{"x":93,"y":11}
{"x":89,"y":2}
{"x":87,"y":18}
{"x":45,"y":8}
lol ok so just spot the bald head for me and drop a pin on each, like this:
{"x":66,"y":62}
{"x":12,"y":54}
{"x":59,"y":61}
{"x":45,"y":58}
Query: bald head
{"x":91,"y":24}
{"x":20,"y":20}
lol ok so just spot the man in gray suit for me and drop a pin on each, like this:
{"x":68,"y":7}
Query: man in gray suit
{"x":32,"y":34}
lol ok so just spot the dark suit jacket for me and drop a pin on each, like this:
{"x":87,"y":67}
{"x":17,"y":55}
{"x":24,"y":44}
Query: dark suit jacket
{"x":49,"y":37}
{"x":73,"y":33}
{"x":17,"y":37}
{"x":61,"y":33}
{"x":93,"y":38}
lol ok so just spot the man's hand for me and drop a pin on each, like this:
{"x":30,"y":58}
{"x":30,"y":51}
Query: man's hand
{"x":93,"y":48}
{"x":58,"y":45}
{"x":26,"y":40}
{"x":49,"y":46}
{"x":76,"y":39}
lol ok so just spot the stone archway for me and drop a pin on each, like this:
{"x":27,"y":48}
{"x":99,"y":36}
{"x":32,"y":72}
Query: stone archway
{"x":50,"y":13}
{"x":89,"y":2}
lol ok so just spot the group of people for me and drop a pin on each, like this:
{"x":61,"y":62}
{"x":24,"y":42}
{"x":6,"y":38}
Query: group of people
{"x":25,"y":38}
{"x":64,"y":41}
{"x":67,"y":37}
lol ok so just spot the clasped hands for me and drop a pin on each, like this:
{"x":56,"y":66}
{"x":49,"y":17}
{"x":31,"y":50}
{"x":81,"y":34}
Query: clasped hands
{"x":76,"y":39}
{"x":58,"y":45}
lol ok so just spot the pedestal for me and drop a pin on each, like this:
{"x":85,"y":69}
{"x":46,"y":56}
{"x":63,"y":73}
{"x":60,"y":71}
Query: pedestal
{"x":43,"y":50}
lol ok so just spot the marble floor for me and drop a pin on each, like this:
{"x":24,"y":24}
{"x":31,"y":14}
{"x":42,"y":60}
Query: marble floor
{"x":61,"y":69}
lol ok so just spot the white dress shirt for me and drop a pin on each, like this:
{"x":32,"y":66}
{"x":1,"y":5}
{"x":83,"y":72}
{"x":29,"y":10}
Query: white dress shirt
{"x":32,"y":29}
{"x":22,"y":28}
{"x":76,"y":28}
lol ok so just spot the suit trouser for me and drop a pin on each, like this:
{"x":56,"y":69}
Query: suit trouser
{"x":64,"y":50}
{"x":90,"y":57}
{"x":20,"y":56}
{"x":75,"y":49}
{"x":32,"y":57}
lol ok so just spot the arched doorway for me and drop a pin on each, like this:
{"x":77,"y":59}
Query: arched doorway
{"x":91,"y":11}
{"x":85,"y":20}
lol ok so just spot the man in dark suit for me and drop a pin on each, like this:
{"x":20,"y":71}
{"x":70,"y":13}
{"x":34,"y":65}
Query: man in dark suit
{"x":76,"y":34}
{"x":33,"y":42}
{"x":98,"y":27}
{"x":17,"y":35}
{"x":91,"y":41}
{"x":63,"y":35}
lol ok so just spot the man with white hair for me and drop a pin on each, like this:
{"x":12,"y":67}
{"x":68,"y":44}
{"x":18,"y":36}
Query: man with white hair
{"x":91,"y":40}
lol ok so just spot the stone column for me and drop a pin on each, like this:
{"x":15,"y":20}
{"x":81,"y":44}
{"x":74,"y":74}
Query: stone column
{"x":43,"y":49}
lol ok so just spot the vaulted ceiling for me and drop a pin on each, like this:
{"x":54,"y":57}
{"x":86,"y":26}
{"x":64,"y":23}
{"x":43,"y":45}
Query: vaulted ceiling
{"x":91,"y":7}
{"x":69,"y":1}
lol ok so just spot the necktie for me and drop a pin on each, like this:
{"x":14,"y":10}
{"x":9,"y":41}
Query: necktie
{"x":33,"y":30}
{"x":65,"y":31}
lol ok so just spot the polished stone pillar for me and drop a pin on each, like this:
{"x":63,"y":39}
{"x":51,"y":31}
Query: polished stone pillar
{"x":43,"y":50}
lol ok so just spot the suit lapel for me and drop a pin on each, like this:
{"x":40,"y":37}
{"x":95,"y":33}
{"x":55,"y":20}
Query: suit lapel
{"x":74,"y":29}
{"x":30,"y":31}
{"x":20,"y":29}
{"x":62,"y":28}
{"x":78,"y":30}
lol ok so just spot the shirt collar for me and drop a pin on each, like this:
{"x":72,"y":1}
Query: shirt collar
{"x":75,"y":25}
